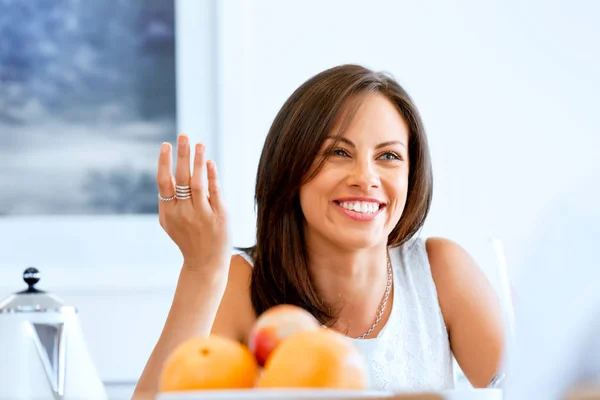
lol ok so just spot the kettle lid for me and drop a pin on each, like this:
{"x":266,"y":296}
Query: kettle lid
{"x":33,"y":299}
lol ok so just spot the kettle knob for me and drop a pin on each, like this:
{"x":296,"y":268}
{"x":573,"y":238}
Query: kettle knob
{"x":31,"y":276}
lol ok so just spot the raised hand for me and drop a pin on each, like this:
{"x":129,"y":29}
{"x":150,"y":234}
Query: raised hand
{"x":191,"y":214}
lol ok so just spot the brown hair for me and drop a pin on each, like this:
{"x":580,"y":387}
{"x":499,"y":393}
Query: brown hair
{"x":281,"y":273}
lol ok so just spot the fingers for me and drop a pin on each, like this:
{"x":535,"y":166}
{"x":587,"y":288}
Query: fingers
{"x":199,"y":193}
{"x":164,"y":179}
{"x":182,"y":173}
{"x":216,"y":200}
{"x":203,"y":199}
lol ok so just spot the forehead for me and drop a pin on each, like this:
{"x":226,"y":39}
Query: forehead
{"x":377,"y":119}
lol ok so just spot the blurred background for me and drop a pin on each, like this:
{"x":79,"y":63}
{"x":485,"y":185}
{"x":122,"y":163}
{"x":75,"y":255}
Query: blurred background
{"x":508,"y":92}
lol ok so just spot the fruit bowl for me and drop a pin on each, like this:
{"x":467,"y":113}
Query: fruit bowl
{"x":288,"y":394}
{"x":326,"y":394}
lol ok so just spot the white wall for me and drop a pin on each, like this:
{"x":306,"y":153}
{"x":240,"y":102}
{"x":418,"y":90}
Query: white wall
{"x":508,"y":93}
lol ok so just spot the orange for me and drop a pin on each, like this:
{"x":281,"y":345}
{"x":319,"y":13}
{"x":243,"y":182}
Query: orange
{"x":209,"y":363}
{"x":315,"y":359}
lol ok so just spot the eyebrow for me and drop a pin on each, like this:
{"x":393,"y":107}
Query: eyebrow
{"x":380,"y":145}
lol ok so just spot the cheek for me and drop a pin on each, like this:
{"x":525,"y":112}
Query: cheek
{"x":399,"y":190}
{"x":314,"y":198}
{"x":310,"y":199}
{"x":319,"y":188}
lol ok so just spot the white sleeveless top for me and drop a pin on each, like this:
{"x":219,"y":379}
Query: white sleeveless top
{"x":412,"y":351}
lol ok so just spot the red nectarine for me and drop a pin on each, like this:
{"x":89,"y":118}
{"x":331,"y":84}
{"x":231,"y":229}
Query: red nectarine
{"x":276,"y":324}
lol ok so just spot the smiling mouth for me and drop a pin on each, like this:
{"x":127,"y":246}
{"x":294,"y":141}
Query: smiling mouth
{"x":363,"y":207}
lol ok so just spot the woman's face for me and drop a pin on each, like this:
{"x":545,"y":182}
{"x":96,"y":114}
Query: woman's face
{"x":358,"y":197}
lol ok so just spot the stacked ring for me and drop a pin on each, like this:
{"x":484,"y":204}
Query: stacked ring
{"x":183,"y":192}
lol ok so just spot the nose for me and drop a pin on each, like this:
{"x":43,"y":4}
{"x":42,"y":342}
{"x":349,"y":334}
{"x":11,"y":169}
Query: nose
{"x":363,"y":175}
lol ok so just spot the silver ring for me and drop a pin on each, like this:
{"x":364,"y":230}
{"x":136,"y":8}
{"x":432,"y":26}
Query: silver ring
{"x":165,"y":198}
{"x":183,"y":192}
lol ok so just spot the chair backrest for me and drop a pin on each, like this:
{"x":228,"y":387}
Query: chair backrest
{"x":489,"y":254}
{"x":584,"y":392}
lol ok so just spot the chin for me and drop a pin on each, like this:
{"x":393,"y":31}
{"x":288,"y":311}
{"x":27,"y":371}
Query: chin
{"x":358,"y":240}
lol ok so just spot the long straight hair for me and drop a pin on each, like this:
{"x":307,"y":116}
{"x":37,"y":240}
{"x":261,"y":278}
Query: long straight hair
{"x":281,"y":274}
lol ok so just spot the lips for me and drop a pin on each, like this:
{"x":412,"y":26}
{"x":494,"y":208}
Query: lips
{"x":360,"y":206}
{"x":360,"y":209}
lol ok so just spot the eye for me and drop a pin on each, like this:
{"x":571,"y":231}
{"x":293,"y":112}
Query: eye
{"x":390,"y":156}
{"x":338,"y":152}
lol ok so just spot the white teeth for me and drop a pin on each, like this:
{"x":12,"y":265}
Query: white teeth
{"x":361,"y":206}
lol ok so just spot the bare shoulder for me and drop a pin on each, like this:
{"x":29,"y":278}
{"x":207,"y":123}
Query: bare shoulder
{"x":448,"y":261}
{"x":239,"y":266}
{"x":470,"y":307}
{"x":455,"y":273}
{"x":236,"y":314}
{"x":439,"y":248}
{"x":446,"y":256}
{"x":240,"y":273}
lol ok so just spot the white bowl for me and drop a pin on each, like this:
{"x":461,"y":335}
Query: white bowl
{"x":288,"y":394}
{"x":318,"y":394}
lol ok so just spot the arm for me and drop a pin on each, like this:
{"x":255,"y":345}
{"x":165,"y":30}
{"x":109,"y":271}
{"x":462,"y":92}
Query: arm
{"x":192,"y":313}
{"x":470,"y":308}
{"x":196,"y":221}
{"x":236,"y":315}
{"x":203,"y":304}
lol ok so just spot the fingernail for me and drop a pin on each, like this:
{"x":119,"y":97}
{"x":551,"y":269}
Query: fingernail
{"x":199,"y":149}
{"x":183,"y":139}
{"x":164,"y":147}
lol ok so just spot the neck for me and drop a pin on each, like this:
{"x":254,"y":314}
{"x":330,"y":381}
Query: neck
{"x":354,"y":268}
{"x":352,"y":282}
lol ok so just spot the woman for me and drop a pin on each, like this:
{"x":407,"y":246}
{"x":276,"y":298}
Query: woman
{"x":344,"y":183}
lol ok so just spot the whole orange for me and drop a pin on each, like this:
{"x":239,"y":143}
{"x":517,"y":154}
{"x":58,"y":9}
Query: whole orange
{"x":209,"y":363}
{"x":315,"y":359}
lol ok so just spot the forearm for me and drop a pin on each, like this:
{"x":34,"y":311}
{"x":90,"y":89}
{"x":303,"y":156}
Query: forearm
{"x":192,"y":313}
